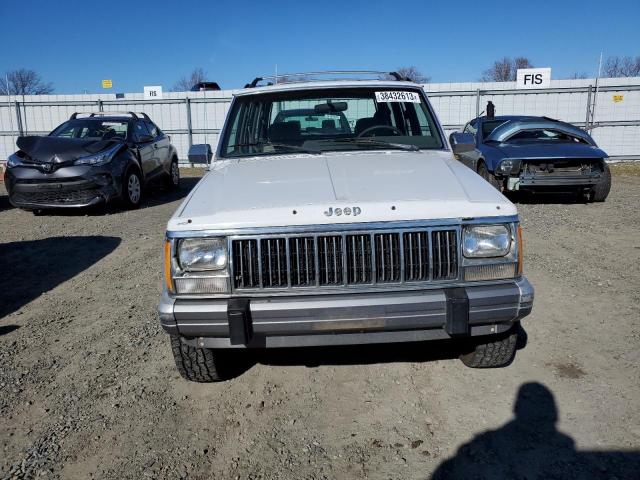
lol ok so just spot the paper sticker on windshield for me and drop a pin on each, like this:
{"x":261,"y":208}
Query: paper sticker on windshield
{"x":397,"y":96}
{"x":112,"y":124}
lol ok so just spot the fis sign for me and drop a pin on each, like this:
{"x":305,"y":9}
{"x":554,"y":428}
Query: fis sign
{"x":533,"y":78}
{"x":153,"y":92}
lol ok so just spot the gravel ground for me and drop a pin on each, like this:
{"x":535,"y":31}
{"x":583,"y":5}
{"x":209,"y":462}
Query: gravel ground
{"x":88,"y":388}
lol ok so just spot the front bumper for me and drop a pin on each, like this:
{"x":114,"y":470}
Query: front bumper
{"x":528,"y":180}
{"x":344,"y":319}
{"x":66,"y":187}
{"x":566,"y":173}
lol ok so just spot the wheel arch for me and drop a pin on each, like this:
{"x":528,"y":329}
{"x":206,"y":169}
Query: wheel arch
{"x":480,"y":161}
{"x":133,"y":162}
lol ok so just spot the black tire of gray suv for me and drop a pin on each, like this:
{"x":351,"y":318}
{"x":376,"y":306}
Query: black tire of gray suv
{"x":130,"y":199}
{"x":196,"y":364}
{"x":172,"y":181}
{"x":603,"y":187}
{"x":494,"y":352}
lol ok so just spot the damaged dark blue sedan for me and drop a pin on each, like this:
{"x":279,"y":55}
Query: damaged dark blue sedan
{"x":519,"y":153}
{"x":91,"y":159}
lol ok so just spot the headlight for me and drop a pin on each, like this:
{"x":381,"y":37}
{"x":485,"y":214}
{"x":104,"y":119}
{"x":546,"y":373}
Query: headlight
{"x":203,"y":254}
{"x":483,"y":241}
{"x":508,"y":166}
{"x":98,"y":159}
{"x":13,"y":161}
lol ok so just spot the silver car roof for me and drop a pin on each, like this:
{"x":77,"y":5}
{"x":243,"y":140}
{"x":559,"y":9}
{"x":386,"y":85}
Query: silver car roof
{"x":317,"y":85}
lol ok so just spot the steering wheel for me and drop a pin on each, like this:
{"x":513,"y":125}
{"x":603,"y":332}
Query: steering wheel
{"x":379,"y":127}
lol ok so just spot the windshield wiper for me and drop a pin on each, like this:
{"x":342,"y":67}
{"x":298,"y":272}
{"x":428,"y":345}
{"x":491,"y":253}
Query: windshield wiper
{"x":277,"y":145}
{"x":375,"y":143}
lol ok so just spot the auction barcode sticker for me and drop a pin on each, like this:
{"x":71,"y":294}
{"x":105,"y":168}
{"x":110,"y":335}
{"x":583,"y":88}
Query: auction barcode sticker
{"x":397,"y":96}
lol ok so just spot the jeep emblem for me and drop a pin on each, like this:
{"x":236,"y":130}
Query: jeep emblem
{"x":355,"y":211}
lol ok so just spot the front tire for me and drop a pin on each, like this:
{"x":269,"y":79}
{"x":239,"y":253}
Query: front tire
{"x":131,"y":189}
{"x":488,"y":176}
{"x":494,"y":352}
{"x":172,"y":181}
{"x":196,"y":364}
{"x":603,"y":187}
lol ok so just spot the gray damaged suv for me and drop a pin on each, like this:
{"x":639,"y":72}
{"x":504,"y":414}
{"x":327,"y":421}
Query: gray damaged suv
{"x":91,"y":159}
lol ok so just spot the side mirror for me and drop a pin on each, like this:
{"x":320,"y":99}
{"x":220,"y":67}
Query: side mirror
{"x":462,"y":142}
{"x":200,"y":153}
{"x":145,"y":138}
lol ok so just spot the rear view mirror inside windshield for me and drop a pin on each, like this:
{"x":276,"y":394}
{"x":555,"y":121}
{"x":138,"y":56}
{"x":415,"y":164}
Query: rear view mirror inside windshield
{"x":330,"y":107}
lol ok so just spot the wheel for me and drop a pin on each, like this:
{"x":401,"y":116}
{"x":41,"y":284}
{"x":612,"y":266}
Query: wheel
{"x":488,"y":176}
{"x":196,"y":364}
{"x":172,"y":181}
{"x":603,"y":187}
{"x":131,"y":188}
{"x":494,"y":352}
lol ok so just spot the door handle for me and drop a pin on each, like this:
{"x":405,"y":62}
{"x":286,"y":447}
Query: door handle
{"x":155,"y":145}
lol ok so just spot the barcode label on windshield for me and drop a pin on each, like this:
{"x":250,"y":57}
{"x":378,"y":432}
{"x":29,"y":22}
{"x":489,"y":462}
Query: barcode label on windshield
{"x":397,"y":96}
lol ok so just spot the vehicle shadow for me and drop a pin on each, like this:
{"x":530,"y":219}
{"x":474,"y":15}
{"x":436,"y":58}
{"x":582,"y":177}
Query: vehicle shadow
{"x":546,"y":198}
{"x":153,"y":197}
{"x":531,"y":447}
{"x":409,"y":352}
{"x":30,"y":268}
{"x":157,"y":195}
{"x":4,"y":203}
{"x":6,"y":329}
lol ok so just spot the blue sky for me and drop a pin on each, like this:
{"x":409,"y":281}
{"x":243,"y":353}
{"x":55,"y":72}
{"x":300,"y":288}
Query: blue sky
{"x":75,"y":44}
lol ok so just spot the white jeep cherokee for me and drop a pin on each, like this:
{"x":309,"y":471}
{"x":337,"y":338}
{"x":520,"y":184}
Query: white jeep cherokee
{"x":334,"y":213}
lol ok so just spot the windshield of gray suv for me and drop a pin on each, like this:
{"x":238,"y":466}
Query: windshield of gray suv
{"x":92,"y":129}
{"x":315,"y":121}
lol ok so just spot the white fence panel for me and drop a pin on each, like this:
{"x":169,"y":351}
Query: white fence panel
{"x":196,"y":117}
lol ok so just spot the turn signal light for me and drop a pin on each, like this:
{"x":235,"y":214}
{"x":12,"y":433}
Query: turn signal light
{"x":167,"y":267}
{"x":520,"y":250}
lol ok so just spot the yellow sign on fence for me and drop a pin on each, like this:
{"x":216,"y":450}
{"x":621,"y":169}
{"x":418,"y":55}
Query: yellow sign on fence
{"x":618,"y":98}
{"x":107,"y":84}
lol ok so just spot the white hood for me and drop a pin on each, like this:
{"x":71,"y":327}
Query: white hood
{"x":384,"y":185}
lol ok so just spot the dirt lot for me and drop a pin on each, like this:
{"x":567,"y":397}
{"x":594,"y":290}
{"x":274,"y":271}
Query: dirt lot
{"x":89,"y":389}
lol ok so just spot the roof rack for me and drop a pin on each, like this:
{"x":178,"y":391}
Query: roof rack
{"x":395,"y":75}
{"x":109,"y":114}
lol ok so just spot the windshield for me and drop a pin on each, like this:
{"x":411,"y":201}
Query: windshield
{"x":92,"y":129}
{"x":489,"y":127}
{"x":323,"y":120}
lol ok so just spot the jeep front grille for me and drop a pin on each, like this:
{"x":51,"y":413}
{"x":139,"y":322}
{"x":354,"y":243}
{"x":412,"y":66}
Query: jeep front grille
{"x":245,"y":261}
{"x":416,"y":255}
{"x":330,"y":260}
{"x":444,"y":251}
{"x":358,"y":259}
{"x":344,"y":259}
{"x":302,"y":261}
{"x":388,"y":257}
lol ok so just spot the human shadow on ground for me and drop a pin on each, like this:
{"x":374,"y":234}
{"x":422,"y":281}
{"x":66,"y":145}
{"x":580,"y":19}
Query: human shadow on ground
{"x":32,"y":267}
{"x":530,"y":447}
